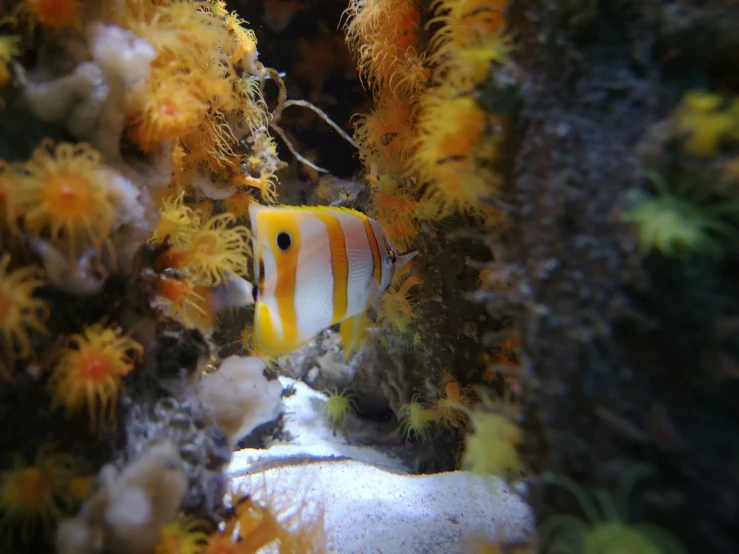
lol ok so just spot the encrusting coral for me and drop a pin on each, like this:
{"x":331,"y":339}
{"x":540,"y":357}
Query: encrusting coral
{"x":119,"y":248}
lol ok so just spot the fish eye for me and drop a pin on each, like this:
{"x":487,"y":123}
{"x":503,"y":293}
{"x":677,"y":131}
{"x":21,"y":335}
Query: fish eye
{"x":284,"y":241}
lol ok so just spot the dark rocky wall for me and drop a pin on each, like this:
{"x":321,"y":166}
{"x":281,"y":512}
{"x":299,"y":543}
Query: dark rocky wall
{"x":612,"y":343}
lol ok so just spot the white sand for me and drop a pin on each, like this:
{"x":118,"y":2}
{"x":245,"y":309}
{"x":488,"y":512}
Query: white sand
{"x":371,"y":504}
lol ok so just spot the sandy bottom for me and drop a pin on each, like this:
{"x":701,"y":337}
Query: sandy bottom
{"x":371,"y":504}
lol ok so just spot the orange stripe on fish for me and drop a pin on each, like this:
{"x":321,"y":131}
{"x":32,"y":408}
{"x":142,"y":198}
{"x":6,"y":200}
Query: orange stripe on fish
{"x":339,"y":263}
{"x":376,"y":262}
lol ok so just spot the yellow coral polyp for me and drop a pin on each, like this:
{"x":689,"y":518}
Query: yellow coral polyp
{"x":9,"y":47}
{"x":216,"y":249}
{"x":460,"y":186}
{"x":202,"y":314}
{"x":176,"y":222}
{"x":79,"y":487}
{"x":339,"y":405}
{"x":463,"y":22}
{"x":181,"y":32}
{"x":492,"y":448}
{"x":452,"y":147}
{"x":19,"y":311}
{"x":394,"y":310}
{"x":88,"y":372}
{"x":61,"y":189}
{"x":8,"y":50}
{"x":470,"y":67}
{"x":450,"y":128}
{"x":33,"y":496}
{"x":185,"y":535}
{"x":211,"y":146}
{"x":168,"y":110}
{"x":396,"y":211}
{"x":252,"y":110}
{"x":244,"y":40}
{"x":705,"y":123}
{"x":416,"y":419}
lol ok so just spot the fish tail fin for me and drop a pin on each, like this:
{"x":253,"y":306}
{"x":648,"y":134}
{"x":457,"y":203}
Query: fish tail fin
{"x":352,"y":332}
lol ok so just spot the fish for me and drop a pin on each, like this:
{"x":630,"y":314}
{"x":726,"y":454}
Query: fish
{"x":314,"y":267}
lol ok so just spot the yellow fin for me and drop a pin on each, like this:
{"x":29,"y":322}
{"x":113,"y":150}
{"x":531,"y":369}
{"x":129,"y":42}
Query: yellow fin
{"x":352,"y":332}
{"x":331,"y":209}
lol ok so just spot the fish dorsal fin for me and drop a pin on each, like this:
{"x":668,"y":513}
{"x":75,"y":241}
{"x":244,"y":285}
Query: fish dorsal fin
{"x":254,"y":208}
{"x":330,"y":209}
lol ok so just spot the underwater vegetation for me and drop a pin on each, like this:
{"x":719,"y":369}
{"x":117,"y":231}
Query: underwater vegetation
{"x":502,"y":231}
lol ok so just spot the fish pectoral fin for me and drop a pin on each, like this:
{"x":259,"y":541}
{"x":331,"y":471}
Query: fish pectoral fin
{"x":352,"y":332}
{"x":233,"y":292}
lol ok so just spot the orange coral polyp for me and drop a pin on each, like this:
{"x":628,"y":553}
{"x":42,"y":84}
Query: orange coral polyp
{"x":184,"y":300}
{"x":33,"y":485}
{"x":450,"y":130}
{"x":70,"y":194}
{"x":402,"y":27}
{"x":460,"y":186}
{"x":88,"y":372}
{"x":386,"y":132}
{"x":94,"y":368}
{"x":54,"y":13}
{"x":61,"y":189}
{"x":34,"y":495}
{"x":19,"y":311}
{"x":170,"y":111}
{"x":173,"y":290}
